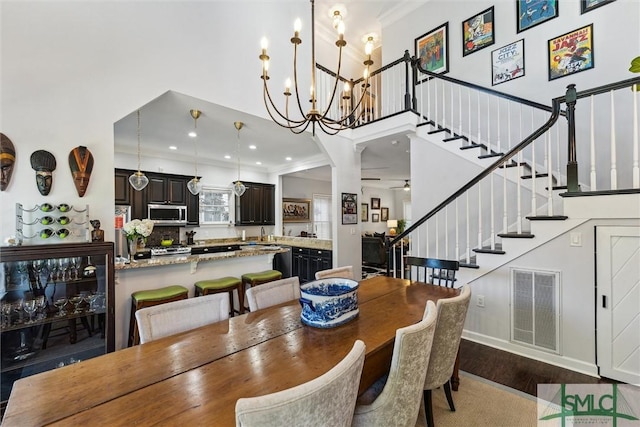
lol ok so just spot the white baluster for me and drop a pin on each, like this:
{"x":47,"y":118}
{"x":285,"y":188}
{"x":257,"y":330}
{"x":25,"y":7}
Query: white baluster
{"x":534,"y":205}
{"x":468,"y":231}
{"x":549,"y":174}
{"x":479,"y":216}
{"x":636,"y":167}
{"x":592,"y":146}
{"x":457,"y":224}
{"x":519,"y":179}
{"x":614,"y":172}
{"x":460,"y":110}
{"x":492,"y":213}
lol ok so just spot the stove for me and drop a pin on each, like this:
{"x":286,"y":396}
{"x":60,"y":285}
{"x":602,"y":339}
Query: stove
{"x":170,"y":250}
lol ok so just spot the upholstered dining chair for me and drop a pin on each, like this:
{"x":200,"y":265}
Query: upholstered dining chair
{"x":328,"y":400}
{"x":346,"y":272}
{"x":273,"y":293}
{"x":178,"y":316}
{"x":441,"y":272}
{"x":398,"y":403}
{"x":452,"y":313}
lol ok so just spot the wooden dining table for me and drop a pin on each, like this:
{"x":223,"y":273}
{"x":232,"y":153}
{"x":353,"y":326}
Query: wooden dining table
{"x":196,"y":377}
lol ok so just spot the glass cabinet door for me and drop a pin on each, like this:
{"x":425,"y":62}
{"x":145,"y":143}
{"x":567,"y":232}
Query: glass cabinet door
{"x":56,"y":307}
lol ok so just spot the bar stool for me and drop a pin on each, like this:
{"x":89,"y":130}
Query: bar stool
{"x":223,"y":284}
{"x":255,"y":279}
{"x":148,"y":298}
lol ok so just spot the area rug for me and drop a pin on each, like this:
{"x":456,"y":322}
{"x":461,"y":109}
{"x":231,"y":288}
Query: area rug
{"x":480,"y":402}
{"x":369,"y":271}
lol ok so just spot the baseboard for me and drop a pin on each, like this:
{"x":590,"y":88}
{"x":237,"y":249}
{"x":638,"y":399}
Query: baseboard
{"x":552,"y":359}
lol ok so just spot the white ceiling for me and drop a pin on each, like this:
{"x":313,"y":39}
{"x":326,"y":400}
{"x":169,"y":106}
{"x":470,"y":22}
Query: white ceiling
{"x":165,"y":121}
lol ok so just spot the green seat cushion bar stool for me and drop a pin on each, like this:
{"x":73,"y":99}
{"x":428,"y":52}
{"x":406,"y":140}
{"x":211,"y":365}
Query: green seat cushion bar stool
{"x":148,"y":298}
{"x":255,"y":279}
{"x":223,"y":284}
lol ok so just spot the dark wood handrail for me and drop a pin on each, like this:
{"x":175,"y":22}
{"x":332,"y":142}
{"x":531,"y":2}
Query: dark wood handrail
{"x":601,"y":89}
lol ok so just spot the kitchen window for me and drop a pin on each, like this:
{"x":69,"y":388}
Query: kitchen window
{"x":215,"y":206}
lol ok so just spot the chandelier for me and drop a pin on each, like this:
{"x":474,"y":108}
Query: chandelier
{"x":301,"y":121}
{"x":138,"y":180}
{"x":238,"y":187}
{"x":194,"y":185}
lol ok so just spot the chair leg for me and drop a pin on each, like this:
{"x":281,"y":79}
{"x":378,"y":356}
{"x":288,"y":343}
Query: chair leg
{"x":428,"y":409}
{"x":447,"y":392}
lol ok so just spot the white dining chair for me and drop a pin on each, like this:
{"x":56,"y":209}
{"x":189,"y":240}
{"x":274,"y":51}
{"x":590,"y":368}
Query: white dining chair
{"x":345,"y":272}
{"x":452,"y":313}
{"x":174,"y":317}
{"x":272,"y":293}
{"x":398,"y":404}
{"x":328,"y":400}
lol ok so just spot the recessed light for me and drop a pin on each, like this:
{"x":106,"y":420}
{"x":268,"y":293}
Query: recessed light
{"x":288,"y":159}
{"x":226,"y":156}
{"x":258,"y":163}
{"x":252,"y":147}
{"x":192,"y":134}
{"x":173,"y":147}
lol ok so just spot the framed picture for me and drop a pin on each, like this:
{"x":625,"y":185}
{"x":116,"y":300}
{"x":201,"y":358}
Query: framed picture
{"x":375,"y":203}
{"x":589,"y":5}
{"x":571,"y":52}
{"x":295,"y":210}
{"x":375,"y":217}
{"x":507,"y":63}
{"x":384,"y":214}
{"x":349,"y":208}
{"x":478,"y":32}
{"x":534,"y":12}
{"x":432,"y":51}
{"x":364,"y":213}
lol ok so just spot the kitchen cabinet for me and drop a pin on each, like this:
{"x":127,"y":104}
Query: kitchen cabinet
{"x":122,"y":188}
{"x":57,"y":309}
{"x":257,"y":205}
{"x":199,"y":250}
{"x":166,"y":190}
{"x":306,"y":262}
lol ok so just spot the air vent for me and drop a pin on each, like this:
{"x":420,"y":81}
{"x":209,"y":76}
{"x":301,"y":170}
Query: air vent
{"x":535,"y":308}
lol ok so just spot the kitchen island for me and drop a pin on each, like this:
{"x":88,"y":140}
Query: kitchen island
{"x":184,"y":270}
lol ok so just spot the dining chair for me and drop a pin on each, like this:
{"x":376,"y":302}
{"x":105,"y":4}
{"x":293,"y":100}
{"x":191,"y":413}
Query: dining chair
{"x":273,"y":293}
{"x":446,"y":340}
{"x":398,"y":404}
{"x":178,"y":316}
{"x":328,"y":400}
{"x":441,"y":272}
{"x":345,"y":272}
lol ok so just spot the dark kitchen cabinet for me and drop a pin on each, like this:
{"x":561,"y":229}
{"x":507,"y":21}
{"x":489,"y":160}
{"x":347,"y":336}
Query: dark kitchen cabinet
{"x":126,"y":195}
{"x":306,"y":262}
{"x":167,"y":190}
{"x":257,"y":205}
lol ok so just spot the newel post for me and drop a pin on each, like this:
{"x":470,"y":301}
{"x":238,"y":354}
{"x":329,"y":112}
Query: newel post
{"x":572,"y":162}
{"x":409,"y":100}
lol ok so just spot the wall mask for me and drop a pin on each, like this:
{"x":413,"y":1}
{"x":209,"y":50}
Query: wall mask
{"x":44,"y":163}
{"x":81,"y":165}
{"x":7,"y":159}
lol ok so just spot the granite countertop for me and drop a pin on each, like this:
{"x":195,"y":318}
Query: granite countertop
{"x":187,"y":258}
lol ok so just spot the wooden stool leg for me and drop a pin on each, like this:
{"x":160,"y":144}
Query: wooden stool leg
{"x":241,"y":291}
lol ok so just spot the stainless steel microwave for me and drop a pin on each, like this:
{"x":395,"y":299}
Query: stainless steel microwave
{"x":167,"y":214}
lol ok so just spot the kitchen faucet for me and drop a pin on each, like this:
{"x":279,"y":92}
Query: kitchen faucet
{"x":261,"y":234}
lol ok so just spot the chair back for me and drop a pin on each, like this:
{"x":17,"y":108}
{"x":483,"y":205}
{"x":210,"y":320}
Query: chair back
{"x":452,"y":313}
{"x":345,"y":272}
{"x":178,"y":316}
{"x":399,"y":402}
{"x":328,"y":400}
{"x":441,"y":272}
{"x":272,"y":293}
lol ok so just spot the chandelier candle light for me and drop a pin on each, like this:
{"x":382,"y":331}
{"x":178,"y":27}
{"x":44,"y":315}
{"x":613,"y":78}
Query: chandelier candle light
{"x":238,"y":187}
{"x":194,"y":185}
{"x":138,"y":180}
{"x":314,"y":116}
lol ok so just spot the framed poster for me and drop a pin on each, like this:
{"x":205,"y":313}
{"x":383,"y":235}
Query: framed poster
{"x":432,"y":51}
{"x":589,"y":5}
{"x":507,"y":63}
{"x":364,"y":214}
{"x":295,"y":210}
{"x":375,"y":217}
{"x":534,"y":12}
{"x":375,"y":203}
{"x":478,"y":32}
{"x":349,"y":208}
{"x":571,"y":52}
{"x":384,"y":214}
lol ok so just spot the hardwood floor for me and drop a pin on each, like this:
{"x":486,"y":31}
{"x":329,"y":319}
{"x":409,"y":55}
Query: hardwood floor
{"x":515,"y":371}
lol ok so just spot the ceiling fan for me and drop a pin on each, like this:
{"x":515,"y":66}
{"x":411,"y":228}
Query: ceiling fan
{"x":405,"y":187}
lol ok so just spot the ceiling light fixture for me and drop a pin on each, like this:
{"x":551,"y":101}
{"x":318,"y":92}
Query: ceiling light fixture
{"x":406,"y":187}
{"x":238,"y":187}
{"x":138,"y":180}
{"x":194,"y":185}
{"x":314,"y":116}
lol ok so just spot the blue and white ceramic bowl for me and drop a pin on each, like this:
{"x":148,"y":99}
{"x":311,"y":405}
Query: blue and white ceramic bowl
{"x":327,"y":303}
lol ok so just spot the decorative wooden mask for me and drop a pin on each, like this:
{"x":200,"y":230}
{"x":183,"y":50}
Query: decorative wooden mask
{"x":44,"y":163}
{"x":7,"y":159}
{"x":81,"y":165}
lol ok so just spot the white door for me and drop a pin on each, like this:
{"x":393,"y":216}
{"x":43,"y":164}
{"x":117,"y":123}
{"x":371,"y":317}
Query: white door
{"x":618,"y":302}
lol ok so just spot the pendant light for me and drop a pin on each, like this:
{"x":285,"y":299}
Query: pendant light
{"x":138,"y":180}
{"x":195,"y":186}
{"x":238,"y":187}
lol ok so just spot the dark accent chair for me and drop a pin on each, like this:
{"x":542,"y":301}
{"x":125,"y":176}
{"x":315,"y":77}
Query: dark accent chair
{"x":373,"y":251}
{"x":441,"y":272}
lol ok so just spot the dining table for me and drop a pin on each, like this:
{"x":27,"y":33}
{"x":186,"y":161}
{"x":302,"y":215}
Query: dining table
{"x":196,"y":377}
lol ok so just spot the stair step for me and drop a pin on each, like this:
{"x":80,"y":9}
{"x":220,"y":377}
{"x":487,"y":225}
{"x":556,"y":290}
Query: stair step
{"x":489,"y":251}
{"x":465,"y":265}
{"x":557,"y":187}
{"x":454,"y":138}
{"x":513,"y":164}
{"x":473,"y":145}
{"x":538,"y":175}
{"x":431,"y":132}
{"x":547,"y":218}
{"x":492,"y":154}
{"x":516,"y":235}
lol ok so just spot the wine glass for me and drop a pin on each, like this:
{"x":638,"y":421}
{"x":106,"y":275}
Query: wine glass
{"x":52,"y":266}
{"x":6,"y":309}
{"x":91,"y":299}
{"x":76,"y":301}
{"x":18,"y":306}
{"x":41,"y":306}
{"x":75,"y":266}
{"x":60,"y":303}
{"x":30,"y":308}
